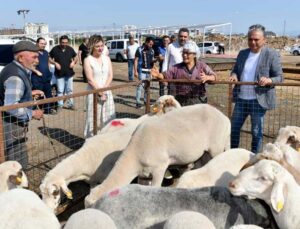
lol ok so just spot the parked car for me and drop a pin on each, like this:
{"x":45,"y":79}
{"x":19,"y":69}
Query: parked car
{"x":209,"y":47}
{"x":6,"y":54}
{"x":117,"y":49}
{"x":295,"y":50}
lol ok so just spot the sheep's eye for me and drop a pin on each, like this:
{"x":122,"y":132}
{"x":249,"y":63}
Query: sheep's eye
{"x":55,"y":192}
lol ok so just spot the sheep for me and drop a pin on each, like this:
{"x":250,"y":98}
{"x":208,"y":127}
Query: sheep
{"x":284,"y":154}
{"x":91,"y":219}
{"x":178,"y":137}
{"x":289,"y":135}
{"x":188,"y":219}
{"x":137,"y":207}
{"x":12,"y":176}
{"x":269,"y":181}
{"x":219,"y":171}
{"x":162,"y":105}
{"x":245,"y":226}
{"x":21,"y":208}
{"x":93,"y":161}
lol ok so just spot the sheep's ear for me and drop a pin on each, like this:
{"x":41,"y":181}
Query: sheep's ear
{"x":277,"y":193}
{"x":277,"y":196}
{"x":67,"y":191}
{"x":16,"y":180}
{"x":155,"y":109}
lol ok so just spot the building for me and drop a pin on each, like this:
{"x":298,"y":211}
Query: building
{"x":36,"y":28}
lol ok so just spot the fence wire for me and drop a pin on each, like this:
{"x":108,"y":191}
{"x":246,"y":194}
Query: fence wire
{"x":56,"y":136}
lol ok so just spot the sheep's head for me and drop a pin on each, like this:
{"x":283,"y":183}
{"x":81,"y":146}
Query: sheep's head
{"x":271,"y":152}
{"x":265,"y":180}
{"x":289,"y":135}
{"x":165,"y":104}
{"x":52,"y":193}
{"x":12,"y":173}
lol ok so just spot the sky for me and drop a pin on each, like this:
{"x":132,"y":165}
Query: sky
{"x":276,"y":15}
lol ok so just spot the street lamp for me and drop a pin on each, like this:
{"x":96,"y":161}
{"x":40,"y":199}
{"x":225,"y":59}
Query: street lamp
{"x":24,"y":12}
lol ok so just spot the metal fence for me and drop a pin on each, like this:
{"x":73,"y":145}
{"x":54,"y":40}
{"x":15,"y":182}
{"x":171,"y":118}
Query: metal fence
{"x":56,"y":136}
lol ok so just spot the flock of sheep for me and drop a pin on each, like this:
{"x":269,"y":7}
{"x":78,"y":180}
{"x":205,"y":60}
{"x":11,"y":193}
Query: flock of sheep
{"x":206,"y":197}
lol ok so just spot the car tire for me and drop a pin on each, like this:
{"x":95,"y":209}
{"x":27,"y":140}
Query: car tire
{"x":119,"y":58}
{"x":296,"y":53}
{"x":208,"y":52}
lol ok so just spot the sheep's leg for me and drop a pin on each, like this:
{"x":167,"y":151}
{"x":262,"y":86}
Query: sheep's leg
{"x":158,"y":175}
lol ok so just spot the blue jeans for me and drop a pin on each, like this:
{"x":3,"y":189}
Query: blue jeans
{"x":65,"y":87}
{"x":242,"y":109}
{"x":130,"y":69}
{"x":140,"y":88}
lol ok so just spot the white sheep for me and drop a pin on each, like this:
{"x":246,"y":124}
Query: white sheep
{"x":139,"y":207}
{"x":91,"y":219}
{"x":190,"y":220}
{"x":219,"y":171}
{"x":281,"y":151}
{"x":94,"y":160}
{"x":162,"y":105}
{"x":21,"y":208}
{"x":284,"y":154}
{"x":245,"y":226}
{"x":289,"y":135}
{"x":178,"y":137}
{"x":12,"y":176}
{"x":269,"y":181}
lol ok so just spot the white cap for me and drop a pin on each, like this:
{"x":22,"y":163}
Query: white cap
{"x":190,"y":46}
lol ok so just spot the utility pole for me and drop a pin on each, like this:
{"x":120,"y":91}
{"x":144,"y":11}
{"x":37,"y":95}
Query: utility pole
{"x":284,"y":25}
{"x":23,"y":12}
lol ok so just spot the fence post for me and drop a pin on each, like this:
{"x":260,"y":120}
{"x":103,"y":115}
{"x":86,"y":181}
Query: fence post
{"x":147,"y":91}
{"x":95,"y":113}
{"x":2,"y":156}
{"x":229,"y":111}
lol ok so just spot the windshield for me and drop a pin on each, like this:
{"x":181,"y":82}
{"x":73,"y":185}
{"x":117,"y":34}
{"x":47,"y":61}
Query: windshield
{"x":6,"y":54}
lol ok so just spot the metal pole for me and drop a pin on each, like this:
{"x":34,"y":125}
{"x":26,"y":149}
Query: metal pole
{"x":2,"y":155}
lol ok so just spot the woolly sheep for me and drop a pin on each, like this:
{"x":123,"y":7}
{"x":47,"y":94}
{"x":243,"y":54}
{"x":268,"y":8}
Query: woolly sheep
{"x":176,"y":138}
{"x":91,"y":219}
{"x":284,"y":154}
{"x":162,"y":105}
{"x":21,"y":208}
{"x":139,"y":207}
{"x":289,"y":135}
{"x":188,"y":219}
{"x":269,"y":181}
{"x":219,"y":171}
{"x":12,"y":176}
{"x":244,"y":226}
{"x":94,"y":160}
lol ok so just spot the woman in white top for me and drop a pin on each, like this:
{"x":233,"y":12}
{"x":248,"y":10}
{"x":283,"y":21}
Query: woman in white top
{"x":98,"y":70}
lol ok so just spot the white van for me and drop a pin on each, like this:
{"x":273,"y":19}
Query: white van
{"x":209,"y":47}
{"x":6,"y":54}
{"x":117,"y":49}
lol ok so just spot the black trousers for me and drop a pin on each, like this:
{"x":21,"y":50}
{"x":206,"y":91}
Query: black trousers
{"x":188,"y":100}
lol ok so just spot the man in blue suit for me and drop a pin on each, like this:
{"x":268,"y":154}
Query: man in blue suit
{"x":260,"y":64}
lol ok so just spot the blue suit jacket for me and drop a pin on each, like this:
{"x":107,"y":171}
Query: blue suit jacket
{"x":269,"y":65}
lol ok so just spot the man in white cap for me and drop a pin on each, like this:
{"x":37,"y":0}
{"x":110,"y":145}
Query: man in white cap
{"x":190,"y":69}
{"x":15,"y":88}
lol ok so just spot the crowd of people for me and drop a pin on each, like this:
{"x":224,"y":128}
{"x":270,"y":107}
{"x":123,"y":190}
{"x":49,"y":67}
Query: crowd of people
{"x":28,"y":76}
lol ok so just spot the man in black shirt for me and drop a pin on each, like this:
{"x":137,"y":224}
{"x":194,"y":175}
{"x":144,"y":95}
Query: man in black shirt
{"x":64,"y":58}
{"x":83,"y":52}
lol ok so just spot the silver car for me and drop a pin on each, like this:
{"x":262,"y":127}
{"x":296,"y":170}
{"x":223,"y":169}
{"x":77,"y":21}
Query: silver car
{"x":295,"y":50}
{"x":209,"y":47}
